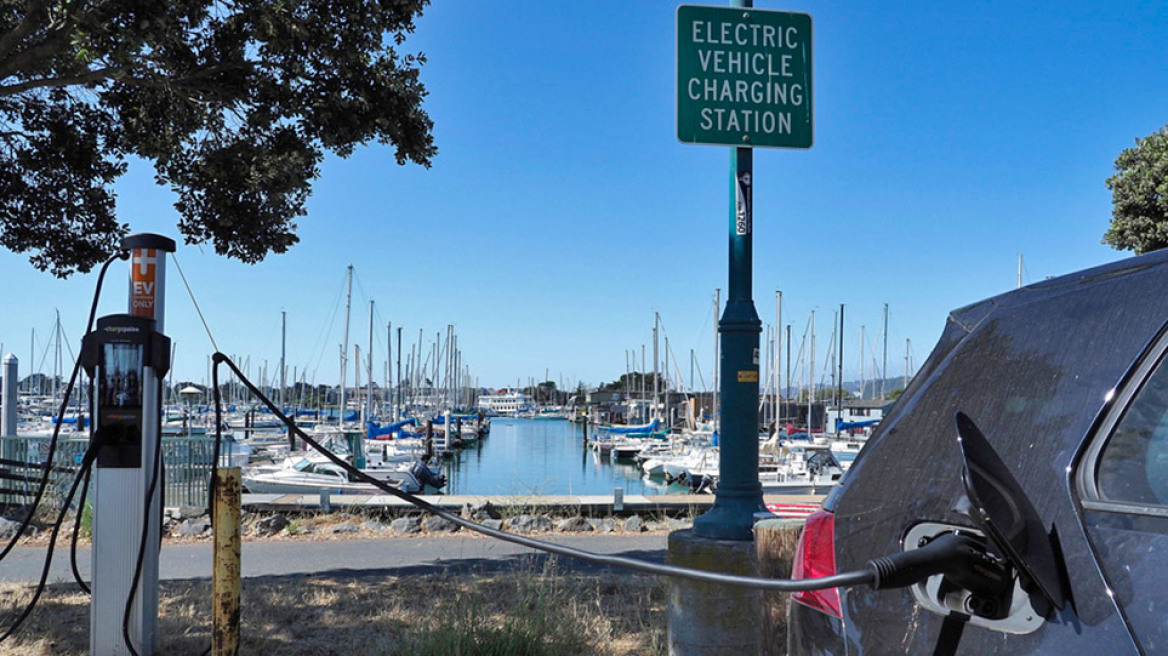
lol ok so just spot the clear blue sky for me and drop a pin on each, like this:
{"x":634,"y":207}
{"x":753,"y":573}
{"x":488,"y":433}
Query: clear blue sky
{"x":561,"y":212}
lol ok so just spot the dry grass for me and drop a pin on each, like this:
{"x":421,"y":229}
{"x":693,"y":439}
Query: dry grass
{"x":534,"y":611}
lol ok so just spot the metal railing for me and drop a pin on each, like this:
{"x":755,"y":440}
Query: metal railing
{"x":187,"y":462}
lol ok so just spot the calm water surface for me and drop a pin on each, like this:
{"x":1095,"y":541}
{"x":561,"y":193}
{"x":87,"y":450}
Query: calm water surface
{"x":529,"y":457}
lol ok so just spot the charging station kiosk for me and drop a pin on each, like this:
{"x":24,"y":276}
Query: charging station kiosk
{"x":127,"y":357}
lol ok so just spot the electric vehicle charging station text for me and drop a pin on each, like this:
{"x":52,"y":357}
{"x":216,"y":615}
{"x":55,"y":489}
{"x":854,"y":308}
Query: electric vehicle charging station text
{"x":127,"y":356}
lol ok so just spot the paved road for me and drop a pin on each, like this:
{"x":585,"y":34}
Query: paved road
{"x":376,"y":557}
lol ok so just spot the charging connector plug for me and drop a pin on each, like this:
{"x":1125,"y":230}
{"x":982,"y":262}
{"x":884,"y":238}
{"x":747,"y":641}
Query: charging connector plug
{"x":961,"y":558}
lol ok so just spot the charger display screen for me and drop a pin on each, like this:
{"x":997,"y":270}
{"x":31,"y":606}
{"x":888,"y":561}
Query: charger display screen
{"x":120,"y":398}
{"x":122,"y":376}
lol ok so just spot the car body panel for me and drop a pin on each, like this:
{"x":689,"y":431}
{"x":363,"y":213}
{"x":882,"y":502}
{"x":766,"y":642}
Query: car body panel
{"x":1133,"y":551}
{"x":1035,"y":369}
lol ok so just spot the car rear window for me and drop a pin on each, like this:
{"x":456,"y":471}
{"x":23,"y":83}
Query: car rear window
{"x":1133,"y":466}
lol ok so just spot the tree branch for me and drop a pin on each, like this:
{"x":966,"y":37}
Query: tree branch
{"x":30,"y":22}
{"x":57,"y":37}
{"x":96,"y":75}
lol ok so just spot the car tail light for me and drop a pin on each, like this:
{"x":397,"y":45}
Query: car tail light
{"x":815,"y":558}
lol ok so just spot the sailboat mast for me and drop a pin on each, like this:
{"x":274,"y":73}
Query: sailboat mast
{"x":884,"y":365}
{"x":788,"y":378}
{"x":387,"y":395}
{"x":644,"y":389}
{"x":452,"y":367}
{"x":57,"y":358}
{"x":345,"y":346}
{"x":811,"y":374}
{"x":665,"y":387}
{"x":397,"y":401}
{"x":283,"y":345}
{"x":778,"y":353}
{"x":656,"y":322}
{"x":768,"y":358}
{"x":907,"y":361}
{"x":717,"y":367}
{"x":862,"y":362}
{"x":369,"y":369}
{"x":839,"y":393}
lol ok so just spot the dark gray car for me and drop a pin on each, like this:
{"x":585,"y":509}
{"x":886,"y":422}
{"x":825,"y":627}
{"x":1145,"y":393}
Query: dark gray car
{"x":1059,"y":392}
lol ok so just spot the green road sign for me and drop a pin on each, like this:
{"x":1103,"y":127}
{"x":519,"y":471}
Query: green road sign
{"x":743,"y":77}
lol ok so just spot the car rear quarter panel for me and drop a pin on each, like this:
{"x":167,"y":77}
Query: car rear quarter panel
{"x":1033,"y":369}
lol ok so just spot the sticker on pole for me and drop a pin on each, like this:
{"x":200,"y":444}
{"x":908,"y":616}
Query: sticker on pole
{"x":143,"y":282}
{"x":748,"y":376}
{"x":743,"y":212}
{"x":743,"y":77}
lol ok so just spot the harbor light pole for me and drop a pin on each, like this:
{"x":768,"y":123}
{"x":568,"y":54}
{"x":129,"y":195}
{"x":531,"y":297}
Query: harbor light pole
{"x":739,"y":494}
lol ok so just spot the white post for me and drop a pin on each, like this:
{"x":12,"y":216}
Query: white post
{"x":11,"y":397}
{"x":120,"y":503}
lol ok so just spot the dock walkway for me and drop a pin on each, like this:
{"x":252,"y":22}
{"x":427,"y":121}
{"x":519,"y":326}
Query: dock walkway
{"x":671,"y":505}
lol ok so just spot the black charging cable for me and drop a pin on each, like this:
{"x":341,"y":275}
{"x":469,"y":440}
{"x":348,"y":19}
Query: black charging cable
{"x":87,"y":472}
{"x":142,"y":543}
{"x":87,"y":460}
{"x":81,"y":474}
{"x":897,"y":570}
{"x":48,"y":466}
{"x":77,"y":531}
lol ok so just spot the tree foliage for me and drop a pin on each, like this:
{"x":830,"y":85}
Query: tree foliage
{"x":1139,"y":190}
{"x":827,"y":394}
{"x":635,"y":382}
{"x":235,"y":104}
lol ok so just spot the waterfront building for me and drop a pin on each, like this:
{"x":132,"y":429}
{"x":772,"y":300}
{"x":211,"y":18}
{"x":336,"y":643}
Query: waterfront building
{"x":857,"y":413}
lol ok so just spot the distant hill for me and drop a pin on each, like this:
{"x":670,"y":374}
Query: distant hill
{"x":894,"y":383}
{"x":871,"y":387}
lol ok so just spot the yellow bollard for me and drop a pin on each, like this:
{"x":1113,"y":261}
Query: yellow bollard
{"x":225,"y":581}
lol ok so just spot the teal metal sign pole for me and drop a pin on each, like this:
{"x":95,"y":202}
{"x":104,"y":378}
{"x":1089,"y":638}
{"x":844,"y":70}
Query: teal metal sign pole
{"x":739,"y":494}
{"x":744,"y":81}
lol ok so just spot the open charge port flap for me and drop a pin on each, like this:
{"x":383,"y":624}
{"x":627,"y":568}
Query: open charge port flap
{"x":1010,"y":611}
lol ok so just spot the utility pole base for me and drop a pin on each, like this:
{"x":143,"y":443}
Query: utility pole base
{"x":732,"y":516}
{"x":706,"y":619}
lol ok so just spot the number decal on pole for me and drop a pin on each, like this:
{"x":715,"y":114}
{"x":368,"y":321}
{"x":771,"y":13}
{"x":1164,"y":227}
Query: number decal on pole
{"x":742,"y":203}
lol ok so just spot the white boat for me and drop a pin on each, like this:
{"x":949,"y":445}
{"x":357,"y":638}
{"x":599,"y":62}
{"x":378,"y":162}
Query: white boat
{"x":845,"y":450}
{"x":314,"y":474}
{"x":802,"y":469}
{"x":387,"y":452}
{"x":700,"y":460}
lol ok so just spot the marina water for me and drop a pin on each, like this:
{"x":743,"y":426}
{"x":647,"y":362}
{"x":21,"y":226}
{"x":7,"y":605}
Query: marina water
{"x":544,"y":457}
